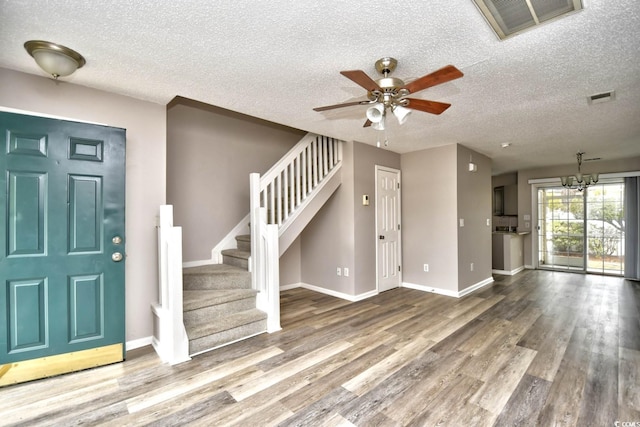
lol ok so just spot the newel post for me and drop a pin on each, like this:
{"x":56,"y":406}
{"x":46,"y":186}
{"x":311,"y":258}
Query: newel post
{"x":254,"y":226}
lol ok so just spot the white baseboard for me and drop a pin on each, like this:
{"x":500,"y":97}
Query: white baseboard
{"x":508,"y":272}
{"x":188,"y":264}
{"x":480,"y":284}
{"x":431,"y":289}
{"x":448,"y":292}
{"x":337,"y":294}
{"x":290,"y":286}
{"x":529,"y":267}
{"x":140,"y":342}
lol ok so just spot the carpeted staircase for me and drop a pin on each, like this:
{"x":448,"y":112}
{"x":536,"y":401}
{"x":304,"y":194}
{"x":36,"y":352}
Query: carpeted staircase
{"x":219,"y":303}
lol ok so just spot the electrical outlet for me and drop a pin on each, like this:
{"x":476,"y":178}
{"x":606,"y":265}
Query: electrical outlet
{"x":346,"y":271}
{"x":527,"y":225}
{"x":488,"y":222}
{"x":471,"y":267}
{"x":339,"y":272}
{"x":426,"y":267}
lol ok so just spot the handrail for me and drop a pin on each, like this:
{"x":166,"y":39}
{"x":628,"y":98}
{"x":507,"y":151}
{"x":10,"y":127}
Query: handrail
{"x":170,"y":339}
{"x":276,"y":198}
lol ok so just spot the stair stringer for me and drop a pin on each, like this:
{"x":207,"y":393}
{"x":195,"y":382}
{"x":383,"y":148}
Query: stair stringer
{"x":297,"y":222}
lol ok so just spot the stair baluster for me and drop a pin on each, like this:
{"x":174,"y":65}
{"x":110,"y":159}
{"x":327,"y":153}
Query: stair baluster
{"x":277,"y":199}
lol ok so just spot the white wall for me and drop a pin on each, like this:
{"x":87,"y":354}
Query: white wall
{"x":145,"y":123}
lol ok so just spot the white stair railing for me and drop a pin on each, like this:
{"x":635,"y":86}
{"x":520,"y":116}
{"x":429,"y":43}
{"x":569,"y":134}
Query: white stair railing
{"x":266,"y":269}
{"x":277,"y":198}
{"x":170,"y":337}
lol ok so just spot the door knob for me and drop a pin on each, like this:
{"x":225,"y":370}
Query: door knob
{"x":116,"y":256}
{"x":381,"y":237}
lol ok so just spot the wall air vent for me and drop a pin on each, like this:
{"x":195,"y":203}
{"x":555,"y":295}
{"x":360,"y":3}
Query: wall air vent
{"x":510,"y":17}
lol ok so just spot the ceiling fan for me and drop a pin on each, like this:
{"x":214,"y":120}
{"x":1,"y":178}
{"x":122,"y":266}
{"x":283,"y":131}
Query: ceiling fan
{"x":390,"y":93}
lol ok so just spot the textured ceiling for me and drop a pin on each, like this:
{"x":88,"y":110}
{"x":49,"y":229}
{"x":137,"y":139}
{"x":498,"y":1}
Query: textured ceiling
{"x":278,"y":59}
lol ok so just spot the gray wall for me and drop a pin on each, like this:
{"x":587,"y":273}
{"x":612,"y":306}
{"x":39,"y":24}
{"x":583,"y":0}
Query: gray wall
{"x":145,"y":123}
{"x":290,"y":265}
{"x":210,"y":154}
{"x":525,"y":190}
{"x":438,"y":191}
{"x":429,"y":217}
{"x":342,"y":234}
{"x":328,"y":240}
{"x":366,"y":157}
{"x":474,"y":206}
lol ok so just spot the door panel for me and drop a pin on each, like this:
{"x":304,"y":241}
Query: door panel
{"x":27,"y":195}
{"x":387,"y":228}
{"x":27,"y":315}
{"x":63,"y":187}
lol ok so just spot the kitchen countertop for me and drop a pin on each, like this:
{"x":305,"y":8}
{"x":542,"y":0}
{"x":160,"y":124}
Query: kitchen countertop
{"x":516,"y":233}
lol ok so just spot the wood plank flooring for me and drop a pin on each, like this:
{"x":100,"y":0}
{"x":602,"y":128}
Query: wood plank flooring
{"x":539,"y":348}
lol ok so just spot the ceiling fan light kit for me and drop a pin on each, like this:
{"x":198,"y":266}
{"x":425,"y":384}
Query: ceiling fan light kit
{"x":390,"y":93}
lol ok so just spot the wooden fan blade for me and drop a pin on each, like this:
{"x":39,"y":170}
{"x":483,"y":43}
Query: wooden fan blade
{"x":443,"y":75}
{"x":367,"y":124}
{"x":432,"y":107}
{"x":346,"y":104}
{"x":361,"y":78}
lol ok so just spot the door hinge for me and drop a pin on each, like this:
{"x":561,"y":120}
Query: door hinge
{"x":398,"y":268}
{"x":398,"y":226}
{"x":398,"y":186}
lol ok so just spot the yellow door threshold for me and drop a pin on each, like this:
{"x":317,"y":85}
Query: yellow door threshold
{"x":28,"y":370}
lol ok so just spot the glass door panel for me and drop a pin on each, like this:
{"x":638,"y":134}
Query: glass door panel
{"x":570,"y":240}
{"x":605,"y":228}
{"x":561,"y":233}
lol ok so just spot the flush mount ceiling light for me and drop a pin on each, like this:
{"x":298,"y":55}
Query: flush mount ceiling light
{"x":509,"y":17}
{"x":55,"y":59}
{"x":582,"y":181}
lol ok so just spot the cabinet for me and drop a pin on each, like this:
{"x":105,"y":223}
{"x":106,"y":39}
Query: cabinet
{"x":498,"y":201}
{"x":505,"y":200}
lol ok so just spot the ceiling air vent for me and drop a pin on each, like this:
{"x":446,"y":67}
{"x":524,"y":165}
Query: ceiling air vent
{"x":601,"y":97}
{"x":510,"y":17}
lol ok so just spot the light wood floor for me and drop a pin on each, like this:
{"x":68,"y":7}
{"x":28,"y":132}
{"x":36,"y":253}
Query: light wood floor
{"x":540,"y":348}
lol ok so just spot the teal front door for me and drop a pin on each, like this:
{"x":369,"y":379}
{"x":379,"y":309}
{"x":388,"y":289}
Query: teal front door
{"x":62,"y":254}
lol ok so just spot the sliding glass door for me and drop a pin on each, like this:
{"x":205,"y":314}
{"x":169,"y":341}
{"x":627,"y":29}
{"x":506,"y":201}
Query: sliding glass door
{"x":582,"y":230}
{"x":605,"y":228}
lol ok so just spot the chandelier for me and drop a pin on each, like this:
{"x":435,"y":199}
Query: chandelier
{"x":582,"y":181}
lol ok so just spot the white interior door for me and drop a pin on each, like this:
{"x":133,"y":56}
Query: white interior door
{"x":388,"y":249}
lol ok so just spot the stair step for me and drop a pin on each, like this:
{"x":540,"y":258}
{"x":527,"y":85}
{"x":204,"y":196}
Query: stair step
{"x":208,"y":305}
{"x":215,"y":276}
{"x":236,"y":257}
{"x":243,"y":242}
{"x":208,"y":335}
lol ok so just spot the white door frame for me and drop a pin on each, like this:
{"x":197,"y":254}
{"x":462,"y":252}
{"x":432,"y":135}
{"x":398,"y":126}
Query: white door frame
{"x":399,"y":254}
